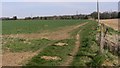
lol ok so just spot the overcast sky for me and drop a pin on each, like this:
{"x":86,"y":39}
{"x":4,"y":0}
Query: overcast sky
{"x":23,"y":9}
{"x":59,"y":0}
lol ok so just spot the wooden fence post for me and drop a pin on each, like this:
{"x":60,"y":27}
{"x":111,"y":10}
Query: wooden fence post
{"x":102,"y":39}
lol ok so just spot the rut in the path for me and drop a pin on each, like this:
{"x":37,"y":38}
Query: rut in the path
{"x":74,"y":52}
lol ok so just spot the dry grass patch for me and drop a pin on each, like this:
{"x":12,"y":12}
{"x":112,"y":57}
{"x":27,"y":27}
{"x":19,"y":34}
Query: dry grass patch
{"x":60,"y":44}
{"x":27,"y":41}
{"x":15,"y":59}
{"x":107,"y":63}
{"x":113,"y":23}
{"x":50,"y":58}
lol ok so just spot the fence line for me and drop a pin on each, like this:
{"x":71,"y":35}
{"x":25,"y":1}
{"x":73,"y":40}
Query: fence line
{"x":107,"y":44}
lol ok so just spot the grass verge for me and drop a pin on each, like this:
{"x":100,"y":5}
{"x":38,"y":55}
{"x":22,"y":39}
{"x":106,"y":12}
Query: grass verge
{"x":88,"y":55}
{"x":60,"y":51}
{"x":88,"y":47}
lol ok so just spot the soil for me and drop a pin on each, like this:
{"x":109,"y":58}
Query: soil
{"x":15,"y":59}
{"x":18,"y":59}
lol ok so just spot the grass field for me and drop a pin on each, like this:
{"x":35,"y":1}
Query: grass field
{"x":20,"y":46}
{"x":35,"y":26}
{"x":36,"y":51}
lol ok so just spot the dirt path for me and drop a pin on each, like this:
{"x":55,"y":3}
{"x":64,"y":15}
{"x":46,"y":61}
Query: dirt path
{"x":74,"y":52}
{"x":14,"y":59}
{"x":60,"y":34}
{"x":18,"y":59}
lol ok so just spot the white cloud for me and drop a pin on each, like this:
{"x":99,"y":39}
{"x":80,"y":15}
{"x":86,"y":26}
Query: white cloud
{"x":59,"y":0}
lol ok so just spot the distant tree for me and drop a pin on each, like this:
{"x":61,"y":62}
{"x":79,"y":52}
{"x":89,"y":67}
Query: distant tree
{"x":94,"y":15}
{"x":105,"y":15}
{"x":5,"y":18}
{"x":86,"y":17}
{"x":118,"y":14}
{"x":54,"y":17}
{"x":28,"y":18}
{"x":114,"y":15}
{"x":45,"y":18}
{"x":14,"y":18}
{"x":36,"y":17}
{"x":41,"y":18}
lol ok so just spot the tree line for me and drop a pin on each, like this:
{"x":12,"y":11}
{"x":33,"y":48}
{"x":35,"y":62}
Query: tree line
{"x":7,"y":18}
{"x":105,"y":15}
{"x":94,"y":15}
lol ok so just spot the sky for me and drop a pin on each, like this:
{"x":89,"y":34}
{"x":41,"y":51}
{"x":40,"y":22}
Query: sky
{"x":58,"y":0}
{"x":23,"y":8}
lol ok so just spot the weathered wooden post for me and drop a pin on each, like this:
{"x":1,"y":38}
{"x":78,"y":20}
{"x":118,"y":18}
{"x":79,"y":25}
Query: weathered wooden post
{"x":101,"y":26}
{"x":102,"y":39}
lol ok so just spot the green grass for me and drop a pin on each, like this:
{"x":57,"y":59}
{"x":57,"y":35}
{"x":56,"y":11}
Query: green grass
{"x":89,"y":48}
{"x":60,"y":51}
{"x":35,"y":26}
{"x":31,"y":26}
{"x":87,"y":51}
{"x":98,"y":60}
{"x":88,"y":54}
{"x":21,"y":45}
{"x":112,"y":31}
